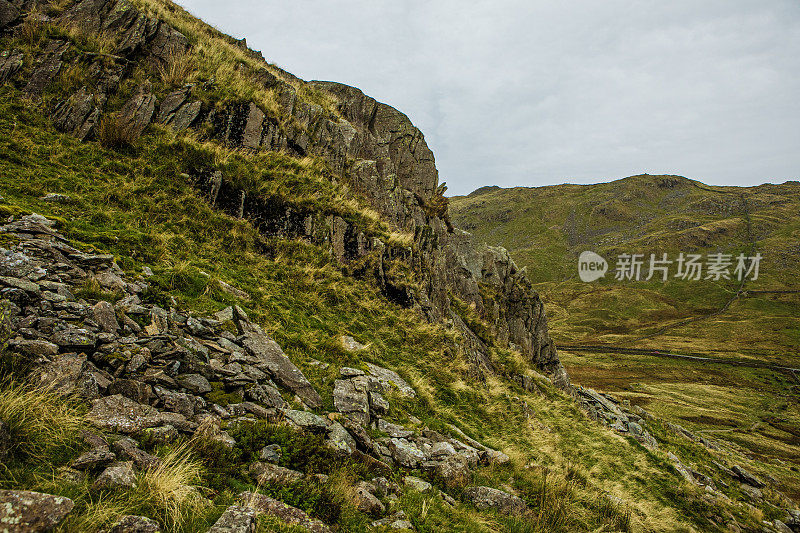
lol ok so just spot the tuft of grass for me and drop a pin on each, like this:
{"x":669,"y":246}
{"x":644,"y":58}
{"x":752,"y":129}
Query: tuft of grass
{"x":117,"y":132}
{"x":178,"y":68}
{"x":170,"y":489}
{"x":42,"y":424}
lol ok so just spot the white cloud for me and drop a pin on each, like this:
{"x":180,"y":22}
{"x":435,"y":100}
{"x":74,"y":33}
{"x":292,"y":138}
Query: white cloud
{"x":514,"y":92}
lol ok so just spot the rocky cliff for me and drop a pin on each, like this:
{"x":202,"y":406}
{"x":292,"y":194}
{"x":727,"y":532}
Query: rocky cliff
{"x":370,"y":146}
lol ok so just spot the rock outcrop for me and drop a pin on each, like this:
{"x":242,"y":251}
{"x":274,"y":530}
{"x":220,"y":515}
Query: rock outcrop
{"x":147,"y":373}
{"x":374,"y":148}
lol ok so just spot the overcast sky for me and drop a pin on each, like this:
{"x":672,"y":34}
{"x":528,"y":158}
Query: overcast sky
{"x":522,"y":92}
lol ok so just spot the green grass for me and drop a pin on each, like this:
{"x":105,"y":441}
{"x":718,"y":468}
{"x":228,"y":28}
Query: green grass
{"x":546,"y":228}
{"x":136,"y":205}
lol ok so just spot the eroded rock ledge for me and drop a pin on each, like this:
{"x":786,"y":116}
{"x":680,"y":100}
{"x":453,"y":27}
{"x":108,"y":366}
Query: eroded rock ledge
{"x":372,"y":146}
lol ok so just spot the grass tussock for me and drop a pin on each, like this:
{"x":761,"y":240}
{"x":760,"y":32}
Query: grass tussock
{"x":178,"y":69}
{"x":41,"y":423}
{"x":171,"y":487}
{"x":117,"y":132}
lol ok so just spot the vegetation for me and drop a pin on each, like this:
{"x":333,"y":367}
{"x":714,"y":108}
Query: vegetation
{"x":545,"y":229}
{"x":137,"y":199}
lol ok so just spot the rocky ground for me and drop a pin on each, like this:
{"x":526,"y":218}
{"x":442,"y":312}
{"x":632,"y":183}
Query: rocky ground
{"x":154,"y":374}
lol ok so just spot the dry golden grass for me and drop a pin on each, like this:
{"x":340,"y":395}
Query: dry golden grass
{"x":170,"y":488}
{"x":38,"y":419}
{"x":116,"y":132}
{"x":178,"y":69}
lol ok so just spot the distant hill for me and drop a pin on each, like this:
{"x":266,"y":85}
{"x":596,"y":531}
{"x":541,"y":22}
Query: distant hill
{"x":605,"y":329}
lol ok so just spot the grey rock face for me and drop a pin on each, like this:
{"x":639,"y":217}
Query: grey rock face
{"x":306,"y":420}
{"x":235,"y":519}
{"x":31,"y":512}
{"x":366,"y":500}
{"x":270,"y":474}
{"x":69,"y":374}
{"x":137,"y":113}
{"x":747,"y":477}
{"x":339,"y":438}
{"x":390,"y":379}
{"x":49,"y":65}
{"x":8,"y":14}
{"x":105,"y":316}
{"x":350,"y":398}
{"x":270,"y":356}
{"x":127,"y":449}
{"x":262,"y":504}
{"x":10,"y":63}
{"x":135,"y":524}
{"x":77,"y":115}
{"x":122,"y":415}
{"x":488,"y":498}
{"x":405,"y":453}
{"x":119,"y":476}
{"x":271,"y":453}
{"x":93,"y":459}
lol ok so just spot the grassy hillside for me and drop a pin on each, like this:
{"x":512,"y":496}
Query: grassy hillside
{"x":136,"y":198}
{"x":546,"y":228}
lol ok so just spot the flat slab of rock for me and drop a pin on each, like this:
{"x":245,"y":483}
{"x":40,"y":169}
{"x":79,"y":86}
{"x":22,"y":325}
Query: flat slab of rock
{"x":484,"y":498}
{"x":262,"y":504}
{"x":122,"y":415}
{"x":391,"y":379}
{"x":119,"y":476}
{"x":271,"y":474}
{"x":306,"y":420}
{"x":235,"y":519}
{"x":31,"y":512}
{"x":135,"y":524}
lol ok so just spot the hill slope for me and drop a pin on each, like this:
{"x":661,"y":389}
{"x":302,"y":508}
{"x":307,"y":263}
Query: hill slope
{"x":546,"y":228}
{"x":227,"y":290}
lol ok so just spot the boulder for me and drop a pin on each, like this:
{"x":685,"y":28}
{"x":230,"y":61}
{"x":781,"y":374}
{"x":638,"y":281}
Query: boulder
{"x":270,"y":453}
{"x":262,"y":504}
{"x":137,"y":113}
{"x":484,"y":498}
{"x":235,"y":519}
{"x":31,"y":512}
{"x":393,"y":430}
{"x":366,"y":501}
{"x":452,"y":470}
{"x":135,"y":524}
{"x":306,"y":420}
{"x":126,"y":448}
{"x":77,"y":115}
{"x":67,"y":375}
{"x":390,"y":380}
{"x":122,"y":415}
{"x":136,"y":390}
{"x":10,"y":63}
{"x":271,"y":474}
{"x":119,"y":476}
{"x":35,"y":347}
{"x":94,"y":458}
{"x":8,"y":14}
{"x":75,"y":339}
{"x":350,"y":398}
{"x":340,"y":439}
{"x":266,"y":395}
{"x":105,"y":316}
{"x":746,"y":477}
{"x":270,"y":358}
{"x":417,"y":484}
{"x":405,"y":453}
{"x":351,"y":345}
